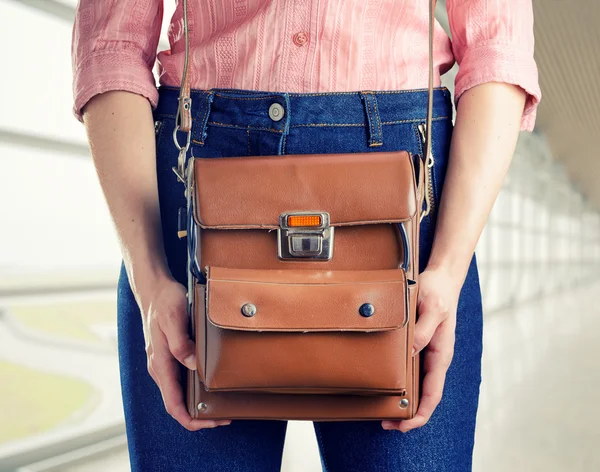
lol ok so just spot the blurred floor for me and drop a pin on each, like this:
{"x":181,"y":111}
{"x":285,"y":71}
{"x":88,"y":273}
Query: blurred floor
{"x":538,"y":408}
{"x":539,"y":400}
{"x":114,"y":462}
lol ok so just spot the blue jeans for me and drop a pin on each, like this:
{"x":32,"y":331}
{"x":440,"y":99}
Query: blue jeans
{"x":231,"y":122}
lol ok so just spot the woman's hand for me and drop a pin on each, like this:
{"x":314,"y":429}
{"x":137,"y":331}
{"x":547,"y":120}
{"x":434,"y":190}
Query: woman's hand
{"x":436,"y":305}
{"x":165,"y":323}
{"x":122,"y":140}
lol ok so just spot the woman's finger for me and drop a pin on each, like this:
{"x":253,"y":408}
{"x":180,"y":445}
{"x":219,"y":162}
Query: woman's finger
{"x":437,"y":359}
{"x":167,"y":372}
{"x":174,"y":325}
{"x":432,"y":312}
{"x":164,"y":369}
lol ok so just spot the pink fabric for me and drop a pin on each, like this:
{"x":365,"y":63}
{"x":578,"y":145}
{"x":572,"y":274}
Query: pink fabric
{"x":302,"y":46}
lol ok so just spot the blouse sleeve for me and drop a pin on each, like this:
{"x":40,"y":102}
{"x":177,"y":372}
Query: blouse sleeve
{"x":114,"y":47}
{"x":492,"y":41}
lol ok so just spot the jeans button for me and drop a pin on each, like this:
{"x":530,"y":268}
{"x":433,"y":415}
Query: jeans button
{"x":276,"y":112}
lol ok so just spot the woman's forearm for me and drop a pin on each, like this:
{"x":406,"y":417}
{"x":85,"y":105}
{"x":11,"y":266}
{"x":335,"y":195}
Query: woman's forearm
{"x":483,"y":142}
{"x":120,"y":131}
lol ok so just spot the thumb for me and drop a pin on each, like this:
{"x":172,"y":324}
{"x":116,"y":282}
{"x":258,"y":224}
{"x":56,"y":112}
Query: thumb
{"x":180,"y":344}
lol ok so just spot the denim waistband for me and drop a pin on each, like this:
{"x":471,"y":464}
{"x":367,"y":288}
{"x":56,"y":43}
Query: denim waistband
{"x":240,"y":108}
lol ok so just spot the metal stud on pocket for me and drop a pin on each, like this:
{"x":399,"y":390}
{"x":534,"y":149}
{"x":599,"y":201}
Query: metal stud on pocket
{"x":202,"y":407}
{"x":403,"y":403}
{"x":249,"y":309}
{"x":366,"y":310}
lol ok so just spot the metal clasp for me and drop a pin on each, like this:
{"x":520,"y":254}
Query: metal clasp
{"x":305,"y":235}
{"x":183,"y":122}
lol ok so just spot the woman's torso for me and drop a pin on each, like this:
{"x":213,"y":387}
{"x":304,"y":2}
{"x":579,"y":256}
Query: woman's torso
{"x":305,"y":45}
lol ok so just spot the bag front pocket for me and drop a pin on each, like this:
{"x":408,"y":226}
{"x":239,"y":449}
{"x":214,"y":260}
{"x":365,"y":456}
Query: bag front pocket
{"x":303,"y":331}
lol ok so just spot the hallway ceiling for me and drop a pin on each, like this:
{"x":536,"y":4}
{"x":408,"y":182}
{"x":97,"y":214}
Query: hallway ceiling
{"x":567,"y":51}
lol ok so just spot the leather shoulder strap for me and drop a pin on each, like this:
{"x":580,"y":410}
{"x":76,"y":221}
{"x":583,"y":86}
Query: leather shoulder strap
{"x":184,"y":113}
{"x":430,"y":84}
{"x":428,"y":156}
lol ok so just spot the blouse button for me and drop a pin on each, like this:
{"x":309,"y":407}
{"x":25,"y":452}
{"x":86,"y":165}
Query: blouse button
{"x":300,"y":39}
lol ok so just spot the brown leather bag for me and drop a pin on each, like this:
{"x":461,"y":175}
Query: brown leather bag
{"x":303,"y":280}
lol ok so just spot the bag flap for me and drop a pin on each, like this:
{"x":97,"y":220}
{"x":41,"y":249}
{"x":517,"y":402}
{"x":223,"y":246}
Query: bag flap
{"x":355,"y":188}
{"x":306,"y":300}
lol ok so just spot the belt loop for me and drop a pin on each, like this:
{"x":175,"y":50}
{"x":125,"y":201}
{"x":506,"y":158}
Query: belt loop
{"x":201,"y":117}
{"x":373,"y":119}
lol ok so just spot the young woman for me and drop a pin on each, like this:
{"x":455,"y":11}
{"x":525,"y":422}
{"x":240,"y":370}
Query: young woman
{"x":286,"y":77}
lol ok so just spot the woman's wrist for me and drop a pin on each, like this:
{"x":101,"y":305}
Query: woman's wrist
{"x":146,"y":274}
{"x":452,"y":267}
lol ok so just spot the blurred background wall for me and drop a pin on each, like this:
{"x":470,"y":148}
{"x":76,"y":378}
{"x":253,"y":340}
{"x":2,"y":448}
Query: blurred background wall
{"x":539,"y":259}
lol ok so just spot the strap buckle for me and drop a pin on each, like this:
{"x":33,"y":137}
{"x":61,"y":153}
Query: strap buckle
{"x":180,"y":124}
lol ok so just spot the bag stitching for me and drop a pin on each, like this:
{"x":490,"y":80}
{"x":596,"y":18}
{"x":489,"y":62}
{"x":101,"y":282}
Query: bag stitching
{"x":395,"y":281}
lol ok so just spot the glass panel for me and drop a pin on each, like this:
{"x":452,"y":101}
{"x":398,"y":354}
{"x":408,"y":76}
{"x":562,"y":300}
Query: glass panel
{"x":37,"y":98}
{"x":59,"y":261}
{"x":57,"y":215}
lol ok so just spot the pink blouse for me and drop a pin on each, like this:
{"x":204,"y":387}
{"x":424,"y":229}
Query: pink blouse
{"x":302,"y":46}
